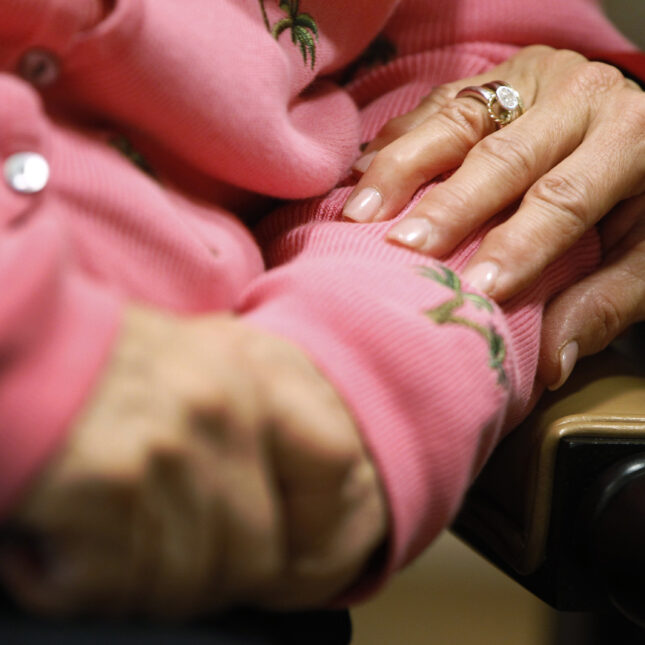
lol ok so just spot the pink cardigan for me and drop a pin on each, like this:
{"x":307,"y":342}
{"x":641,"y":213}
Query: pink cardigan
{"x":220,"y":110}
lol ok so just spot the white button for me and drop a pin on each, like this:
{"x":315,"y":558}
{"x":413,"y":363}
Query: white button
{"x":40,"y":67}
{"x":26,"y":172}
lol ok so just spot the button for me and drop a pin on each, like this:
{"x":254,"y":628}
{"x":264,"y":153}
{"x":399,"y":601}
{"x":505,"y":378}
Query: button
{"x":39,"y":67}
{"x":26,"y":172}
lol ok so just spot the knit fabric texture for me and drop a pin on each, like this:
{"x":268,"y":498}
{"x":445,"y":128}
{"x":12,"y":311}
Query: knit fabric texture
{"x":217,"y":110}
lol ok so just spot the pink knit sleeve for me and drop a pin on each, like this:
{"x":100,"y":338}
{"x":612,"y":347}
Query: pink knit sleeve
{"x":432,"y":372}
{"x":56,"y":323}
{"x":214,"y":87}
{"x":96,"y":233}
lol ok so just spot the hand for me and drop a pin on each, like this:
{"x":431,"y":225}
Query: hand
{"x":576,"y":156}
{"x":214,"y":466}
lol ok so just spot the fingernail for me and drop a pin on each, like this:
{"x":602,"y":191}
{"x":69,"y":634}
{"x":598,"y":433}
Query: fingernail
{"x":364,"y":206}
{"x":414,"y":232}
{"x":482,"y":276}
{"x":568,"y":358}
{"x":363,"y":163}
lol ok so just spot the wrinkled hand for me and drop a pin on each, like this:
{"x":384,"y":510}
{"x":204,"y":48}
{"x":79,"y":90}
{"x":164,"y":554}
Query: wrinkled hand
{"x":214,"y":466}
{"x":575,"y":157}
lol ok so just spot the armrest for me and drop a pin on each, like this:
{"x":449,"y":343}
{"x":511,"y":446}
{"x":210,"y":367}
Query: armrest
{"x":526,"y":511}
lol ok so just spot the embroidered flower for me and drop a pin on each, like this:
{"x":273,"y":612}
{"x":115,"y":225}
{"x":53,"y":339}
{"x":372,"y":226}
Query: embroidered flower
{"x":445,"y":313}
{"x":304,"y":30}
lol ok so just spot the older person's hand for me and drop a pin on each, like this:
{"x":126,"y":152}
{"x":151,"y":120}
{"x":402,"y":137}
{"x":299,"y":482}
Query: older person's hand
{"x":576,"y":157}
{"x":214,"y":466}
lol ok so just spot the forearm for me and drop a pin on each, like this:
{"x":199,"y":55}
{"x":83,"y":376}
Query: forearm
{"x":415,"y":361}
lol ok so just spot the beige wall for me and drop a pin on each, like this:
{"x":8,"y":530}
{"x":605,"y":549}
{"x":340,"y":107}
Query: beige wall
{"x":629,"y":15}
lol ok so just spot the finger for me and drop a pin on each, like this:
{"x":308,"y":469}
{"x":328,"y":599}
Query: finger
{"x":495,"y":173}
{"x":32,"y":568}
{"x":439,"y":144}
{"x":503,"y":166}
{"x":74,"y":563}
{"x":437,"y":99}
{"x":556,"y":212}
{"x":624,"y":218}
{"x":585,"y":318}
{"x":176,"y":553}
{"x":400,"y":125}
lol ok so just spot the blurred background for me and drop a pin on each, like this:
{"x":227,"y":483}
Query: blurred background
{"x":629,"y":16}
{"x":451,"y":595}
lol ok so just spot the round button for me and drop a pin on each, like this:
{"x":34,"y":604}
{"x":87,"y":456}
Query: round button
{"x":39,"y":67}
{"x":26,"y":172}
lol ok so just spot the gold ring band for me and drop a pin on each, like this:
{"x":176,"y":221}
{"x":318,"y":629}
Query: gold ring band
{"x":503,"y":102}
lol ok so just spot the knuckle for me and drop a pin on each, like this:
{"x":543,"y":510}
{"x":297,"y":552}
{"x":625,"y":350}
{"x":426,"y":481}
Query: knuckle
{"x":392,"y":159}
{"x":592,"y":77}
{"x":466,"y":119}
{"x":558,"y":59}
{"x":605,"y":317}
{"x":569,"y":198}
{"x":440,"y":95}
{"x":634,"y":275}
{"x":165,"y":459}
{"x":512,"y":155}
{"x":509,"y":246}
{"x":537,"y":51}
{"x":454,"y":200}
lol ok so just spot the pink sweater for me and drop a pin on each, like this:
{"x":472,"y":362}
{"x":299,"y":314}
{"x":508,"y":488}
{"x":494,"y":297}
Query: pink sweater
{"x":220,"y":110}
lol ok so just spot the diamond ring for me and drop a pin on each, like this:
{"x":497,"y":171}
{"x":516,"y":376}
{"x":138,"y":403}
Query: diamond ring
{"x":503,"y":102}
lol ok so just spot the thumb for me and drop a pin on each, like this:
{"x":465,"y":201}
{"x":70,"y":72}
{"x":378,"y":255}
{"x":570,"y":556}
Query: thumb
{"x":585,"y":318}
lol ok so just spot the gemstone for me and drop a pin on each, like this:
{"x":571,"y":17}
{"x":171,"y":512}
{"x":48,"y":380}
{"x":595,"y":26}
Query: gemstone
{"x":508,"y":98}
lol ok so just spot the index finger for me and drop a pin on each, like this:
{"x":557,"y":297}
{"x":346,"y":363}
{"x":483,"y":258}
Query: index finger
{"x":440,"y":143}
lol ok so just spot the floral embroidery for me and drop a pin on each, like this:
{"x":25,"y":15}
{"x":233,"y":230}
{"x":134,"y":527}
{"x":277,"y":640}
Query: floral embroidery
{"x":304,"y":31}
{"x":445,"y":313}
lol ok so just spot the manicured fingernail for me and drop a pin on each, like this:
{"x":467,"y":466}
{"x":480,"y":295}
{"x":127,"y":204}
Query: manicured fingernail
{"x":482,"y":276}
{"x":364,"y":206}
{"x":568,"y":358}
{"x":414,"y":232}
{"x":363,"y":163}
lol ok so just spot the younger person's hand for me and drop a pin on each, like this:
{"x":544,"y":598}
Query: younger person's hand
{"x":214,"y":466}
{"x":576,"y":157}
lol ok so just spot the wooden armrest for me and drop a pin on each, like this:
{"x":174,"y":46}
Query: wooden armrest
{"x":525,"y":510}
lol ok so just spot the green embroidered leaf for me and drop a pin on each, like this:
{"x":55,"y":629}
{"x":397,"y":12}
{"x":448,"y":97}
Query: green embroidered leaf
{"x":301,"y":34}
{"x":452,"y":279}
{"x":497,"y":348}
{"x":302,"y":27}
{"x":280,"y":26}
{"x":265,"y":18}
{"x":429,"y":272}
{"x":479,"y":301}
{"x":307,"y":21}
{"x":446,"y":313}
{"x":443,"y":313}
{"x":449,"y":278}
{"x":306,"y":42}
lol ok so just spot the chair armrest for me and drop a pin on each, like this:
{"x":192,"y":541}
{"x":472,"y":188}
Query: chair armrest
{"x":524,"y":510}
